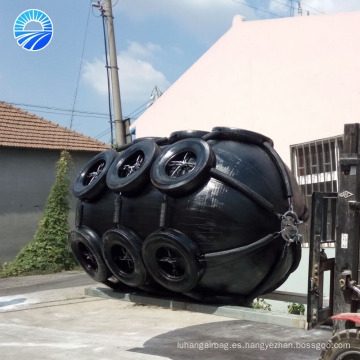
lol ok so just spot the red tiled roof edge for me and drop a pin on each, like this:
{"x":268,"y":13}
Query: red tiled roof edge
{"x":19,"y":128}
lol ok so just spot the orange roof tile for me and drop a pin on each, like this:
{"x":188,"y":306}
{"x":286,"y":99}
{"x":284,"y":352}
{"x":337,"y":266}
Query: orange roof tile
{"x":19,"y":128}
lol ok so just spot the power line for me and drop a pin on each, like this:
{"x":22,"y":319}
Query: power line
{"x":103,"y":133}
{"x":256,"y":8}
{"x":78,"y":113}
{"x":80,"y":67}
{"x":144,"y":104}
{"x":66,"y":114}
{"x":133,"y":115}
{"x":33,"y":106}
{"x":301,"y":2}
{"x":278,"y":2}
{"x":310,"y":7}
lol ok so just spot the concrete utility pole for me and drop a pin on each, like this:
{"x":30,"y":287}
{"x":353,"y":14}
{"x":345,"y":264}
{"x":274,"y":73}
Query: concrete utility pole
{"x":119,"y":128}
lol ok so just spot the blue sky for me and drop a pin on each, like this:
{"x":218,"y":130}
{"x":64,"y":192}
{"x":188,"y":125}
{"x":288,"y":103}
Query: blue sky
{"x":157,"y":41}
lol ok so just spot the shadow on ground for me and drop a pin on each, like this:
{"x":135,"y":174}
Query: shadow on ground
{"x":237,"y":339}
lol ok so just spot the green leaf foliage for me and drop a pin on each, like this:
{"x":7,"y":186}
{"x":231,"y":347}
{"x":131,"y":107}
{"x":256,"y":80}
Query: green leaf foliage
{"x":48,"y":251}
{"x":296,"y":309}
{"x":261,"y":304}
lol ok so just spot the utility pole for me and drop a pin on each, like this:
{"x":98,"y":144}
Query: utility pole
{"x":119,"y":128}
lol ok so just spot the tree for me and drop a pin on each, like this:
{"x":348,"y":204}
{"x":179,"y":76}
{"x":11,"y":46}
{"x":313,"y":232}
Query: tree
{"x":48,"y":251}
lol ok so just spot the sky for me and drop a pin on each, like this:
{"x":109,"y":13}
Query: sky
{"x":156,"y":42}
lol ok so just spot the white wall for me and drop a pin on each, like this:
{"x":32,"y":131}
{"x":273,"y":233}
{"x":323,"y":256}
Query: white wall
{"x":293,"y":79}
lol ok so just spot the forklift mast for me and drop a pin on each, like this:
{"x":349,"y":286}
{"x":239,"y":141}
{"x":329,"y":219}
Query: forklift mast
{"x":339,"y":213}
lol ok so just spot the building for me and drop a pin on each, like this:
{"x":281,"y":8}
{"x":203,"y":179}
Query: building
{"x":292,"y":79}
{"x":29,"y":148}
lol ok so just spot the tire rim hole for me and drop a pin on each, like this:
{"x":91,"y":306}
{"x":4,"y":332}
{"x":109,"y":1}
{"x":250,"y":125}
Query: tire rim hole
{"x":132,"y":164}
{"x":94,"y":172}
{"x":180,"y":164}
{"x":123,"y":259}
{"x":88,"y":258}
{"x":171,"y":262}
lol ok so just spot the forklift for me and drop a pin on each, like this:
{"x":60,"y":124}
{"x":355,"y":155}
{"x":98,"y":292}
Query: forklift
{"x":339,"y":214}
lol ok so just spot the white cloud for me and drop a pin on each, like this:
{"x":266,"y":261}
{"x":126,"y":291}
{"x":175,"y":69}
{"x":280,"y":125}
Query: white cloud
{"x":137,"y":75}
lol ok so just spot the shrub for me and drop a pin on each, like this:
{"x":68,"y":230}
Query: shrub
{"x":48,"y":251}
{"x":261,"y":304}
{"x":296,"y":309}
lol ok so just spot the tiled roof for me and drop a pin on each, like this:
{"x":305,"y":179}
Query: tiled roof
{"x":19,"y":128}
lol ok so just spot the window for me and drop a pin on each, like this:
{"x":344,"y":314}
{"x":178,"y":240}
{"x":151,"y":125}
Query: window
{"x":315,"y":166}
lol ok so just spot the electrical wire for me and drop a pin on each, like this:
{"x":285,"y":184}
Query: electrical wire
{"x":136,"y":115}
{"x":80,"y":67}
{"x":278,"y":2}
{"x":102,"y":134}
{"x":33,"y":106}
{"x":62,"y":114}
{"x":303,"y":3}
{"x":141,"y":106}
{"x":133,"y":116}
{"x":256,"y":8}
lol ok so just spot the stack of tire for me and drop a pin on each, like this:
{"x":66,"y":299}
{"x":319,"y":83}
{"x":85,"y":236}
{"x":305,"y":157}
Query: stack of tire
{"x":198,"y":213}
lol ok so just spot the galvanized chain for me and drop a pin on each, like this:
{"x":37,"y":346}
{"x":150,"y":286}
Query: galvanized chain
{"x":289,"y":225}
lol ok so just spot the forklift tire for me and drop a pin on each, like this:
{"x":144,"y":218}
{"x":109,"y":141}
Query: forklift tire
{"x":343,"y":346}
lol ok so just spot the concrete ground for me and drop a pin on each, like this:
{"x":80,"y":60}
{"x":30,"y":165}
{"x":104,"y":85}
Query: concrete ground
{"x":54,"y":323}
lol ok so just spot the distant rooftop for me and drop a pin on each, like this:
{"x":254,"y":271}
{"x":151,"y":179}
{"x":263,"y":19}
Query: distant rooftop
{"x":19,"y":128}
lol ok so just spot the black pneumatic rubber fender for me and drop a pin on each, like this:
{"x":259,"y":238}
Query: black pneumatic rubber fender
{"x":172,"y":259}
{"x":343,"y":346}
{"x":85,"y":245}
{"x":240,"y":135}
{"x":130,"y":171}
{"x":183,"y":166}
{"x":91,"y":180}
{"x":121,"y":250}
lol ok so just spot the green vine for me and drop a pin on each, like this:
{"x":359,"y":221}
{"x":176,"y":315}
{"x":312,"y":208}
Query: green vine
{"x":48,"y":251}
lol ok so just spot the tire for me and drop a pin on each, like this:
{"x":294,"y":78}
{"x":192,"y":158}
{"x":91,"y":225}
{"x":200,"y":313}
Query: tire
{"x":186,"y":134}
{"x":157,"y":140}
{"x":240,"y":135}
{"x":85,"y":245}
{"x":121,"y":250}
{"x":183,"y":167}
{"x":91,"y":180}
{"x":343,"y":346}
{"x":172,"y":260}
{"x":130,"y":171}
